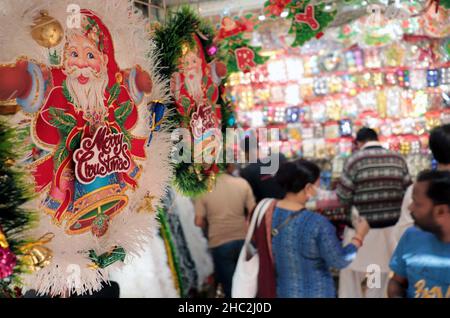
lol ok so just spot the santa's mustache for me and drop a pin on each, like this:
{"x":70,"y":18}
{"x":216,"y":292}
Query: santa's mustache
{"x":89,"y":72}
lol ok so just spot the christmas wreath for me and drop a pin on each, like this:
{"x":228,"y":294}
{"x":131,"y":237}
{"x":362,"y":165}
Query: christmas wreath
{"x":192,"y":60}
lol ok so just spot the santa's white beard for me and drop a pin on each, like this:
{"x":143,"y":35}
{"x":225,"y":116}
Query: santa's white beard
{"x":194,"y":85}
{"x":88,"y":97}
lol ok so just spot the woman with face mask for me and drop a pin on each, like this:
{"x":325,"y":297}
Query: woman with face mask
{"x":304,"y":243}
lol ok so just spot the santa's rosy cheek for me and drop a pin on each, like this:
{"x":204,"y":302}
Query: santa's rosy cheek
{"x":95,"y":65}
{"x":71,"y":62}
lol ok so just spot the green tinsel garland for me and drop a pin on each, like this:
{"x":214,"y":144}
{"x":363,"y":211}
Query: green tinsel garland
{"x":169,"y":39}
{"x":445,"y":3}
{"x":171,"y":251}
{"x":15,"y":191}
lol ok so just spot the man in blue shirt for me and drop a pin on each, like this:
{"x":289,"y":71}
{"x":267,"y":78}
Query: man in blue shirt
{"x":421,"y":262}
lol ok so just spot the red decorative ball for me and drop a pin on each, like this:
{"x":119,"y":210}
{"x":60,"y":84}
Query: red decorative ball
{"x":100,"y":225}
{"x":7,"y":262}
{"x":221,"y":69}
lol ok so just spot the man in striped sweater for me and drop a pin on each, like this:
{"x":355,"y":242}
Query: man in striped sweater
{"x":373,"y":184}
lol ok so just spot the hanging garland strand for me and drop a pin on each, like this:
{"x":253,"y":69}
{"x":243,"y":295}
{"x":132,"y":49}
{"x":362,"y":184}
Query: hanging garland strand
{"x":172,"y":256}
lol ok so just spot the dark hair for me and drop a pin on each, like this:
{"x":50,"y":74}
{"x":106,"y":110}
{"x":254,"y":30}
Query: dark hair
{"x":293,"y":176}
{"x":440,"y":143}
{"x":438,"y":185}
{"x":366,"y":134}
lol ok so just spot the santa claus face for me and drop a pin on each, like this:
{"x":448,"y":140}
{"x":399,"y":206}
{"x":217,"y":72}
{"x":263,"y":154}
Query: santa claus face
{"x":192,"y":67}
{"x":82,"y":54}
{"x":192,"y":63}
{"x":87,"y":76}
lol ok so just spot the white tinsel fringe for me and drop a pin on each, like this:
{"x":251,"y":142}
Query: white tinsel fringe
{"x":196,"y":241}
{"x":69,"y":271}
{"x":147,"y":276}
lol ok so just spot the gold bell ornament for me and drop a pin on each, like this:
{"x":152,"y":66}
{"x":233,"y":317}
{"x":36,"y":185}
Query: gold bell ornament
{"x":36,"y":255}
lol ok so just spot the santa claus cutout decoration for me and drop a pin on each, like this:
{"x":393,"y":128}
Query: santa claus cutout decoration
{"x":89,"y":104}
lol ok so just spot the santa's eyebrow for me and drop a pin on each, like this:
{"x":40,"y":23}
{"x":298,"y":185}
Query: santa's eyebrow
{"x":88,"y":46}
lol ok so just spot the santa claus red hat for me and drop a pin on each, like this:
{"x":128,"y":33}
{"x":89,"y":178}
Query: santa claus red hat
{"x":93,"y":28}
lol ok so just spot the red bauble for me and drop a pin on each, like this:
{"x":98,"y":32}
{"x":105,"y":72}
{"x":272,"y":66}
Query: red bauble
{"x":100,"y":225}
{"x":221,"y":69}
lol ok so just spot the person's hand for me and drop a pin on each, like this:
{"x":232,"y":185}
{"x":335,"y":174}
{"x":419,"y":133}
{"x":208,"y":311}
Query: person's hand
{"x":361,"y":227}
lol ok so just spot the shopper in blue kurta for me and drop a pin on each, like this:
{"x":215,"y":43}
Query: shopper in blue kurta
{"x":304,"y":243}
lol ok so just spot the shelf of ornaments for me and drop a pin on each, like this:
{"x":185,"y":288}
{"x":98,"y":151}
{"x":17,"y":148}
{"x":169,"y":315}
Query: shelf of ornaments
{"x":408,"y":119}
{"x":308,"y":93}
{"x":360,"y":71}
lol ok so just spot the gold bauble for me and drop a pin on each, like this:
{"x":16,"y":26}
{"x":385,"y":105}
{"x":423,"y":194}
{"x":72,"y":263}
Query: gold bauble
{"x":47,"y":31}
{"x":3,"y":242}
{"x":184,"y":48}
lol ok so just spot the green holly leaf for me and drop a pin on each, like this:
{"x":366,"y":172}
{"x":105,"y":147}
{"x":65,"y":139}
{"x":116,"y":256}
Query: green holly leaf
{"x":64,"y":122}
{"x":66,"y":93}
{"x":114,"y":92}
{"x":61,"y":154}
{"x":75,"y":142}
{"x":210,"y":92}
{"x":123,"y":111}
{"x":186,"y":104}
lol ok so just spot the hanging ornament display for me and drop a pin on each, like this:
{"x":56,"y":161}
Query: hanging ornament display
{"x":89,"y":147}
{"x":199,"y":107}
{"x":308,"y":20}
{"x":377,"y":30}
